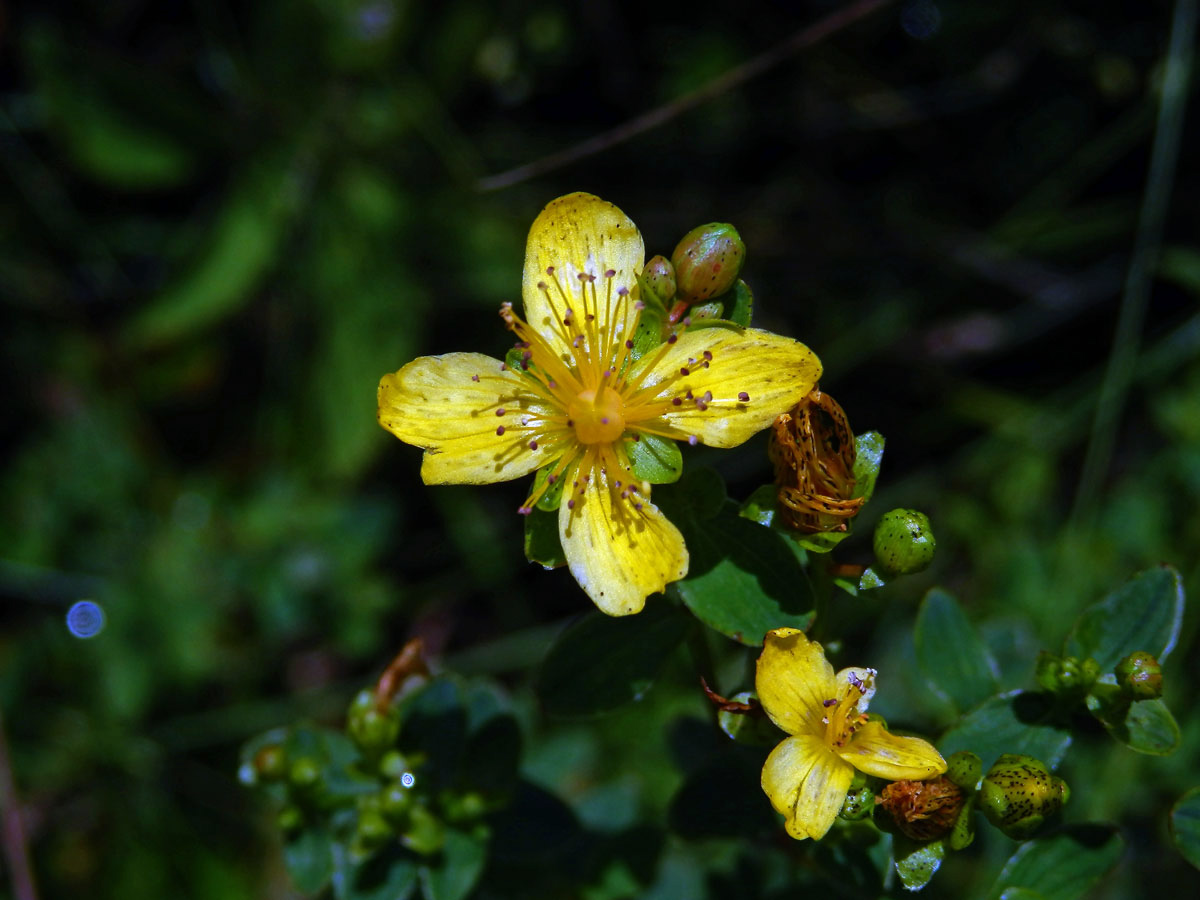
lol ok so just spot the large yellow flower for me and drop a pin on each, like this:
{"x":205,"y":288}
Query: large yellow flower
{"x":580,"y":398}
{"x":806,"y":777}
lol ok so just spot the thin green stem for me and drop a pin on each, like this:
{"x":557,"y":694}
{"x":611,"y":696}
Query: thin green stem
{"x":1122,"y":362}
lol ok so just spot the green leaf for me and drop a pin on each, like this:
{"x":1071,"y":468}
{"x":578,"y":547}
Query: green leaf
{"x":723,"y":798}
{"x":542,"y":544}
{"x":952,"y":656}
{"x":601,"y":663}
{"x":435,"y":727}
{"x":534,"y":828}
{"x":655,"y":459}
{"x":1146,"y":726}
{"x":1017,"y":722}
{"x":743,"y":579}
{"x":459,"y":867}
{"x":916,"y":863}
{"x":308,"y":857}
{"x":1143,"y":614}
{"x":1185,"y":826}
{"x":1063,"y":865}
{"x":698,"y":496}
{"x":246,"y":239}
{"x":388,"y":875}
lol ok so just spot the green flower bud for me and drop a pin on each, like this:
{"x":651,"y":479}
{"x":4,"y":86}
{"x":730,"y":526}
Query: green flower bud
{"x":290,"y":819}
{"x":373,"y":730}
{"x":658,"y":279}
{"x":270,"y":762}
{"x":707,"y":261}
{"x":394,"y":764}
{"x":396,"y":800}
{"x":964,"y":768}
{"x":305,"y":772}
{"x":1019,"y":794}
{"x":425,"y":834}
{"x":1066,"y":675}
{"x":460,"y":809}
{"x":904,"y":542}
{"x":1139,"y":676}
{"x":373,"y":829}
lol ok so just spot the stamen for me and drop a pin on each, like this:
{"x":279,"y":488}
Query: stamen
{"x":499,"y":429}
{"x":475,"y":378}
{"x":743,"y":396}
{"x":500,"y":411}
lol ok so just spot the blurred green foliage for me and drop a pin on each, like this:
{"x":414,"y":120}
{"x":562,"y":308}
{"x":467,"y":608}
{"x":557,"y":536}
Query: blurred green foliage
{"x":226,"y":221}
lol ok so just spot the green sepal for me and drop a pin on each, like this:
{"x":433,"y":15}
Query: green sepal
{"x":649,"y":332}
{"x":916,"y":863}
{"x":542,"y":543}
{"x":654,"y":459}
{"x":740,"y":303}
{"x":963,"y":832}
{"x":755,"y":730}
{"x":550,"y":500}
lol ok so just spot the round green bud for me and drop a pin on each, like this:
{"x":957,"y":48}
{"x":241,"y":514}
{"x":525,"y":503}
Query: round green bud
{"x":396,"y":800}
{"x":658,"y":277}
{"x":394,"y":764}
{"x":304,"y":772}
{"x":270,"y":762}
{"x":425,"y":833}
{"x":373,"y":730}
{"x":290,"y":819}
{"x":964,"y":768}
{"x":1019,"y":794}
{"x":1139,"y":676}
{"x":904,"y":542}
{"x":373,"y":829}
{"x":707,"y":261}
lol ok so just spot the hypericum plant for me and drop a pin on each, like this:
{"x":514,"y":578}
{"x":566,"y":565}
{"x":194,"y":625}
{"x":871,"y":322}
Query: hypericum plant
{"x":616,"y":362}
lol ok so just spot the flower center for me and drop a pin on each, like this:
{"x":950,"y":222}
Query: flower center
{"x":597,"y":415}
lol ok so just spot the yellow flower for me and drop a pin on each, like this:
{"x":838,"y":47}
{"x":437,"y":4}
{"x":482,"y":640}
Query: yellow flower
{"x":580,"y":398}
{"x":806,"y":777}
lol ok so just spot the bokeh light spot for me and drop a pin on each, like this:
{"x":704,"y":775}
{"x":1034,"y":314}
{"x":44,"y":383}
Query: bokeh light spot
{"x":85,"y":619}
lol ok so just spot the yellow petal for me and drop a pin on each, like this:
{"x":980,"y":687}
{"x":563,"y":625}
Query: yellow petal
{"x":447,"y":405}
{"x":877,"y":752}
{"x":617,"y":553}
{"x":773,"y":372}
{"x":807,"y":784}
{"x":580,"y":234}
{"x":793,"y":680}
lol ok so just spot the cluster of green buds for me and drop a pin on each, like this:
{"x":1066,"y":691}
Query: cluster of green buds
{"x":368,"y":786}
{"x":700,"y":280}
{"x":1108,"y":696}
{"x":1066,"y":676}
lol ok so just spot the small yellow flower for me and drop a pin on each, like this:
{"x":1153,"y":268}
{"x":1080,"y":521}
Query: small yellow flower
{"x":580,"y":398}
{"x":806,"y":777}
